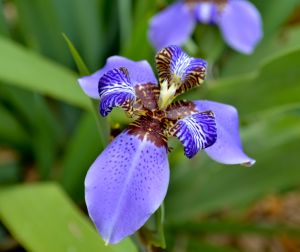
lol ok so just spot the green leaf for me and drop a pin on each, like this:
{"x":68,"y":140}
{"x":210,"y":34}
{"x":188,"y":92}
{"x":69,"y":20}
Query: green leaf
{"x":40,"y":25}
{"x":125,"y":20}
{"x":210,"y":42}
{"x":48,"y":133}
{"x":26,"y":69}
{"x":160,"y":219}
{"x":81,"y":152}
{"x":138,"y":47}
{"x":49,"y":221}
{"x":200,"y":186}
{"x":10,"y":170}
{"x":233,"y":227}
{"x":102,"y":123}
{"x":3,"y":25}
{"x":89,"y":34}
{"x":153,"y":230}
{"x":33,"y":113}
{"x":279,"y":44}
{"x":83,"y":70}
{"x":275,"y":84}
{"x":275,"y":14}
{"x":10,"y":130}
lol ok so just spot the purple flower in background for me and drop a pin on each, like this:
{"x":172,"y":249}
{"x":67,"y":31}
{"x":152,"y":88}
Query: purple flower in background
{"x":129,"y":180}
{"x":239,"y":22}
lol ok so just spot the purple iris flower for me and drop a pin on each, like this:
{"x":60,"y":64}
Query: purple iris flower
{"x":129,"y":179}
{"x":239,"y":22}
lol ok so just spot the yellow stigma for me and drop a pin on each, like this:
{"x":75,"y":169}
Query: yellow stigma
{"x":167,"y":94}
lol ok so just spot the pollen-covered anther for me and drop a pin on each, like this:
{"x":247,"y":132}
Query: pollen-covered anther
{"x":167,"y":94}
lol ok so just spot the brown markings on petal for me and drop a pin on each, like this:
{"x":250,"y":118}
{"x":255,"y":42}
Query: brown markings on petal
{"x":154,"y":124}
{"x":124,"y":70}
{"x":180,"y":109}
{"x":164,"y":61}
{"x":150,"y":129}
{"x":127,"y":106}
{"x":192,"y":80}
{"x":147,"y":96}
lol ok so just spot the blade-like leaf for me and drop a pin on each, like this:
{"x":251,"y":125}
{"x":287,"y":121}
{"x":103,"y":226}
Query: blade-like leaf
{"x":275,"y":14}
{"x":42,"y":218}
{"x":26,"y":69}
{"x":125,"y":20}
{"x":33,"y":113}
{"x":82,"y":150}
{"x":275,"y":84}
{"x":277,"y":45}
{"x":11,"y":132}
{"x":40,"y":25}
{"x":89,"y":35}
{"x":233,"y":227}
{"x":102,"y":123}
{"x":9,"y":172}
{"x":3,"y":25}
{"x":144,"y":10}
{"x":82,"y":68}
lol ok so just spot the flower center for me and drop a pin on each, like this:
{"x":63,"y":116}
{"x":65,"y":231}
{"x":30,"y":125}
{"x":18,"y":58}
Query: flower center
{"x":147,"y":127}
{"x":167,"y":92}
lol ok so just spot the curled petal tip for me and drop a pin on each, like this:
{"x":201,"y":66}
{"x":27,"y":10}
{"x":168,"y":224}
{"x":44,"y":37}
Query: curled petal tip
{"x":179,"y":70}
{"x":249,"y":163}
{"x":115,"y":89}
{"x":228,"y":147}
{"x":140,"y":73}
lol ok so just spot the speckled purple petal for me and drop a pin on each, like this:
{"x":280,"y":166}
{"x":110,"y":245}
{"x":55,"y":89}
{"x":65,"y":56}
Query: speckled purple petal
{"x":140,"y":73}
{"x":241,"y":25}
{"x":196,"y":132}
{"x":115,"y":90}
{"x":125,"y":185}
{"x":206,"y":12}
{"x":174,"y":65}
{"x":228,"y":148}
{"x":171,"y":26}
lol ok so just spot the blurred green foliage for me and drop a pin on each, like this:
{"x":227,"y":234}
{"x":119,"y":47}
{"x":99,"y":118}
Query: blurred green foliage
{"x":49,"y":130}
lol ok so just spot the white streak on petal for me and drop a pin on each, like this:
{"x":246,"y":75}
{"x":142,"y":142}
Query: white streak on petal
{"x":125,"y":185}
{"x":196,"y":132}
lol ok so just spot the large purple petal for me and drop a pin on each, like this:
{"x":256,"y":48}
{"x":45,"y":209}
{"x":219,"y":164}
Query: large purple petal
{"x":115,"y":90}
{"x":241,"y":25}
{"x":125,"y":185}
{"x":176,"y":67}
{"x":140,"y":72}
{"x":172,"y":26}
{"x":196,"y":132}
{"x":228,"y":148}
